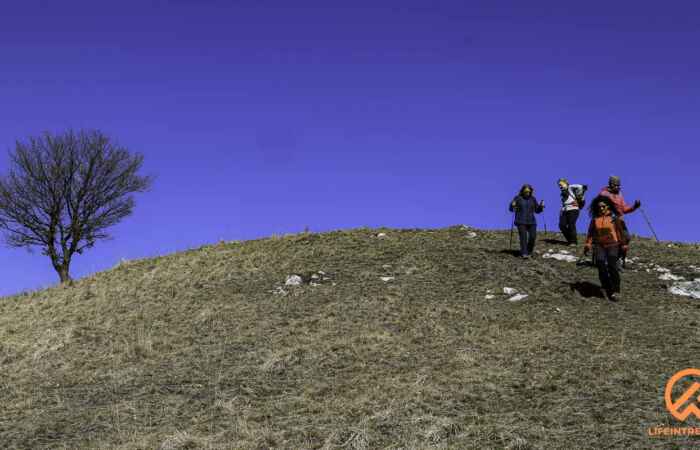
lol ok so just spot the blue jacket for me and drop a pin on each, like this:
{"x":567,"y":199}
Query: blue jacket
{"x":525,"y":210}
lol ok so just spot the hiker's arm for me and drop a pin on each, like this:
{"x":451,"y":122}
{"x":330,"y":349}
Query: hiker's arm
{"x":625,"y":207}
{"x":539,"y":207}
{"x":513,"y":205}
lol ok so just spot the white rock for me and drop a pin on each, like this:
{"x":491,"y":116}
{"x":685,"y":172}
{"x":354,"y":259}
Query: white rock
{"x":471,"y":235}
{"x":564,"y":252}
{"x":557,"y":310}
{"x":517,"y":298}
{"x":509,"y":290}
{"x":561,"y":257}
{"x":314,"y":276}
{"x":386,"y":279}
{"x":686,"y":288}
{"x":550,"y":251}
{"x":386,"y":266}
{"x":489,"y":296}
{"x":321,"y":272}
{"x":381,"y":235}
{"x":293,"y":280}
{"x":668,"y":276}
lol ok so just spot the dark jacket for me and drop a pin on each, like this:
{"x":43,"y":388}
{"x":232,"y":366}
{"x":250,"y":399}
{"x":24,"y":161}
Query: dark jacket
{"x":525,"y":210}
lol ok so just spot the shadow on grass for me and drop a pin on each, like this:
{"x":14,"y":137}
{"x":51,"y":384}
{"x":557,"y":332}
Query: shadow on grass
{"x":555,"y":241}
{"x":515,"y":253}
{"x":587,"y":289}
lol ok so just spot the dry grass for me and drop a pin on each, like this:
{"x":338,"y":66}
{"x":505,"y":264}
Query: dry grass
{"x":195,"y":350}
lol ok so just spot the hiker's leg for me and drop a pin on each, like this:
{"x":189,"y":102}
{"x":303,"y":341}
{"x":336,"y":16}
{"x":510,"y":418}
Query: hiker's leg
{"x":522,"y":234}
{"x":621,"y":260}
{"x":613,"y":269}
{"x":532,"y":238}
{"x":601,"y":263}
{"x":572,"y":217}
{"x":562,"y":225}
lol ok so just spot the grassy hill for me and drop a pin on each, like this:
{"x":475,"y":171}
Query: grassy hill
{"x":209,"y":349}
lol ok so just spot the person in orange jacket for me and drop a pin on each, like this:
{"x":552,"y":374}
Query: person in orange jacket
{"x":609,"y":238}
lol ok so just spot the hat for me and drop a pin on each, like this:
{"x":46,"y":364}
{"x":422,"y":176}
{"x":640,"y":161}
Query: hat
{"x":563,"y":180}
{"x":613,"y":180}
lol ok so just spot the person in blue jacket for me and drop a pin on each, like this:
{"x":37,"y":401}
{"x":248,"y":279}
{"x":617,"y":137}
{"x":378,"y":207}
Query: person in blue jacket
{"x":525,"y":207}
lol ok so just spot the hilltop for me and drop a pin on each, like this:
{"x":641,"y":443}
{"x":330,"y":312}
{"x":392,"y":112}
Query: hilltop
{"x":400,"y":340}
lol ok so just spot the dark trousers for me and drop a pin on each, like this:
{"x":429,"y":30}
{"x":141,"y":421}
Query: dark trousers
{"x":528,"y":236}
{"x":608,"y":273}
{"x":567,"y":225}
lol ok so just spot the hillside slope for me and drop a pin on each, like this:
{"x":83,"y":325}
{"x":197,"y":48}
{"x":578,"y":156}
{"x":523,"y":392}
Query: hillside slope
{"x":209,"y":349}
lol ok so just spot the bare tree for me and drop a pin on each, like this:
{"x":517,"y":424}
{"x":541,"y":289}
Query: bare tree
{"x":63,"y":191}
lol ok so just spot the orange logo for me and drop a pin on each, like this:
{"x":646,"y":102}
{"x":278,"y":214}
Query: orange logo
{"x":687,"y":403}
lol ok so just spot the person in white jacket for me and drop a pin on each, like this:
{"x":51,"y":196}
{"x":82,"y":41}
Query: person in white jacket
{"x":571,"y":204}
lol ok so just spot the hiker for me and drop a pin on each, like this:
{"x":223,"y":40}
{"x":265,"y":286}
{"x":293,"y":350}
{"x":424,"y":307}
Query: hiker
{"x":572,"y":200}
{"x":525,"y":207}
{"x":612,"y":191}
{"x":608,"y":238}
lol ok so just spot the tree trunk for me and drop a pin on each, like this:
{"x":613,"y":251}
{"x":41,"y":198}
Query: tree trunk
{"x":63,"y":273}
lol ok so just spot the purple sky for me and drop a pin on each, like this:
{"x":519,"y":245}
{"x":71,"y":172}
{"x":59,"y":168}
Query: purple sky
{"x":261,"y":117}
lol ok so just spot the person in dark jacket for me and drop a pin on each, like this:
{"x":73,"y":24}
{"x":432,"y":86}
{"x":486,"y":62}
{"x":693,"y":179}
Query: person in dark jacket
{"x":525,"y":207}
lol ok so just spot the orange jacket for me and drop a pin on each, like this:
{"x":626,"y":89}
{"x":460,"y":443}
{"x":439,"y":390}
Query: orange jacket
{"x":606,"y":231}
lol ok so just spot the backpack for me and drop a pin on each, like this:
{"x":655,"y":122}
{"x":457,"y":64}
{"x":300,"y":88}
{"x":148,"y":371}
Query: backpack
{"x":579,"y":196}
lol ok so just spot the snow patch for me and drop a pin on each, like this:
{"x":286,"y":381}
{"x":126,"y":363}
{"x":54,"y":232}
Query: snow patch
{"x":471,"y":235}
{"x":561,"y":256}
{"x":668,"y":276}
{"x":293,"y":280}
{"x":517,"y":298}
{"x":489,"y":296}
{"x":686,"y":288}
{"x":387,"y":279}
{"x":509,"y":290}
{"x":381,"y":235}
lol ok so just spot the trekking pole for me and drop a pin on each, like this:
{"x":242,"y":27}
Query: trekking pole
{"x":649,"y":223}
{"x":512,"y":224}
{"x":545,"y":228}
